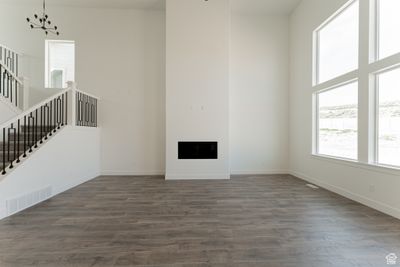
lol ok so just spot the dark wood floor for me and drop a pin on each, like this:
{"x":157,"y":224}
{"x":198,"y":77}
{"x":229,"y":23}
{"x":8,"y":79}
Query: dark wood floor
{"x":247,"y":221}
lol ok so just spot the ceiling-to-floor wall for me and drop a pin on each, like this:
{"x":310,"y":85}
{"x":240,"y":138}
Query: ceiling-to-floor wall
{"x":120,"y":57}
{"x":259,"y":73}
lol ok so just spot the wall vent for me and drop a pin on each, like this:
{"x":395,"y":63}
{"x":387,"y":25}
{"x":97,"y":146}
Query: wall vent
{"x":28,"y":200}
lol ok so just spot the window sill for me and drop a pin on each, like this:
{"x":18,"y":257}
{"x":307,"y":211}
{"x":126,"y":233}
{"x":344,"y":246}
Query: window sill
{"x":360,"y":165}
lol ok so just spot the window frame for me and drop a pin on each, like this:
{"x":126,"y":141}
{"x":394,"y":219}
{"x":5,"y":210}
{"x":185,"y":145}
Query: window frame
{"x":376,"y":118}
{"x":317,"y":119}
{"x":47,"y":73}
{"x":375,"y":22}
{"x":369,"y":68}
{"x":316,"y":41}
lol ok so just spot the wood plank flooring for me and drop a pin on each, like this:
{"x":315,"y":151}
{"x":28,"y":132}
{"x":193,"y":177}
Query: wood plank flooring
{"x":247,"y":221}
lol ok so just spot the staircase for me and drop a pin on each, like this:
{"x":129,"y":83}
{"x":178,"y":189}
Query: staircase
{"x":28,"y":131}
{"x":21,"y":144}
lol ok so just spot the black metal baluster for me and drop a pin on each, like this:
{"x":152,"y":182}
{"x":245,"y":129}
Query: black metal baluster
{"x":50,"y":118}
{"x":4,"y":151}
{"x":16,"y":93}
{"x":12,"y":62}
{"x":62,"y":110}
{"x":18,"y":136}
{"x":79,"y":109}
{"x":46,"y":122}
{"x":30,"y":140}
{"x":96,"y":113}
{"x":41,"y":125}
{"x":66,"y":109}
{"x":59,"y":111}
{"x":25,"y":147}
{"x":36,"y":128}
{"x":55,"y":115}
{"x":9,"y":144}
{"x":17,"y":63}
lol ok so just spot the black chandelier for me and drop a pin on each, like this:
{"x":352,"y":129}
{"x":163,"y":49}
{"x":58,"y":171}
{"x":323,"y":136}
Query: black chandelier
{"x":43,"y":22}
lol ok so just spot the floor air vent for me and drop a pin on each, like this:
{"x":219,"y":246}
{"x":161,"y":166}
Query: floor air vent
{"x":25,"y":201}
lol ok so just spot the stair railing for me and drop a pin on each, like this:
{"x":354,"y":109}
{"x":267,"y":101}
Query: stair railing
{"x":10,"y":59}
{"x":28,"y":131}
{"x":12,"y":87}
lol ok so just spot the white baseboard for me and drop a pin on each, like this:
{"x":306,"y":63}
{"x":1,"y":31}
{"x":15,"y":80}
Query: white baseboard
{"x":382,"y":207}
{"x":199,"y":176}
{"x":133,"y":173}
{"x":266,"y":172}
{"x":162,"y":173}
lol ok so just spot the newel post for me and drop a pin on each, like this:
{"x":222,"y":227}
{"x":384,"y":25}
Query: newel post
{"x":24,"y":98}
{"x":72,"y":106}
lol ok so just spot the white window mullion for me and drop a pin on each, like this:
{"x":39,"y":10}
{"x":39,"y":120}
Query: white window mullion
{"x":364,"y":120}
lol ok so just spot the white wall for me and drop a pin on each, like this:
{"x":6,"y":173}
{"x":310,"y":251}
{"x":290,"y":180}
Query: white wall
{"x":373,"y":186}
{"x":7,"y":110}
{"x":68,"y":159}
{"x":197,"y":85}
{"x":120,"y":57}
{"x":126,"y":69}
{"x":259,"y":86}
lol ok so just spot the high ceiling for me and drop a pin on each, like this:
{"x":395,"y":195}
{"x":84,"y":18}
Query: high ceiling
{"x":243,"y":6}
{"x":120,"y":4}
{"x":277,"y":7}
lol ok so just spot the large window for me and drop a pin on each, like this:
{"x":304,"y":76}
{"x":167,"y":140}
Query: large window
{"x":337,"y":114}
{"x":337,"y":44}
{"x":357,"y":113}
{"x":388,"y":27}
{"x":389,"y":118}
{"x":60,"y":63}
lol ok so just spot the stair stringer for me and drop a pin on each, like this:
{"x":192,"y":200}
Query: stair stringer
{"x":71,"y":157}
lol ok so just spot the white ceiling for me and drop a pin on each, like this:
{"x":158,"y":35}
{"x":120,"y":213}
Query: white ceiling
{"x":120,"y":4}
{"x":242,"y":6}
{"x":278,"y":7}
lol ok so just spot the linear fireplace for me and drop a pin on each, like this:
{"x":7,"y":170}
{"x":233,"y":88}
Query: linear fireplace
{"x":197,"y":150}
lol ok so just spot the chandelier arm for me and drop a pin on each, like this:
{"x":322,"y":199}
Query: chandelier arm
{"x":36,"y":24}
{"x":44,"y":8}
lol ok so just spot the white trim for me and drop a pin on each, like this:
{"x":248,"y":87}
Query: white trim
{"x":316,"y":42}
{"x":385,"y":64}
{"x":11,"y":50}
{"x":266,"y":172}
{"x":337,"y":82}
{"x":132,"y":173}
{"x":47,"y":72}
{"x":359,"y":165}
{"x":377,"y":205}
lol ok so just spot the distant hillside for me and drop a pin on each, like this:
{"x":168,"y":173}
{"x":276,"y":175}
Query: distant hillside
{"x":388,"y":109}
